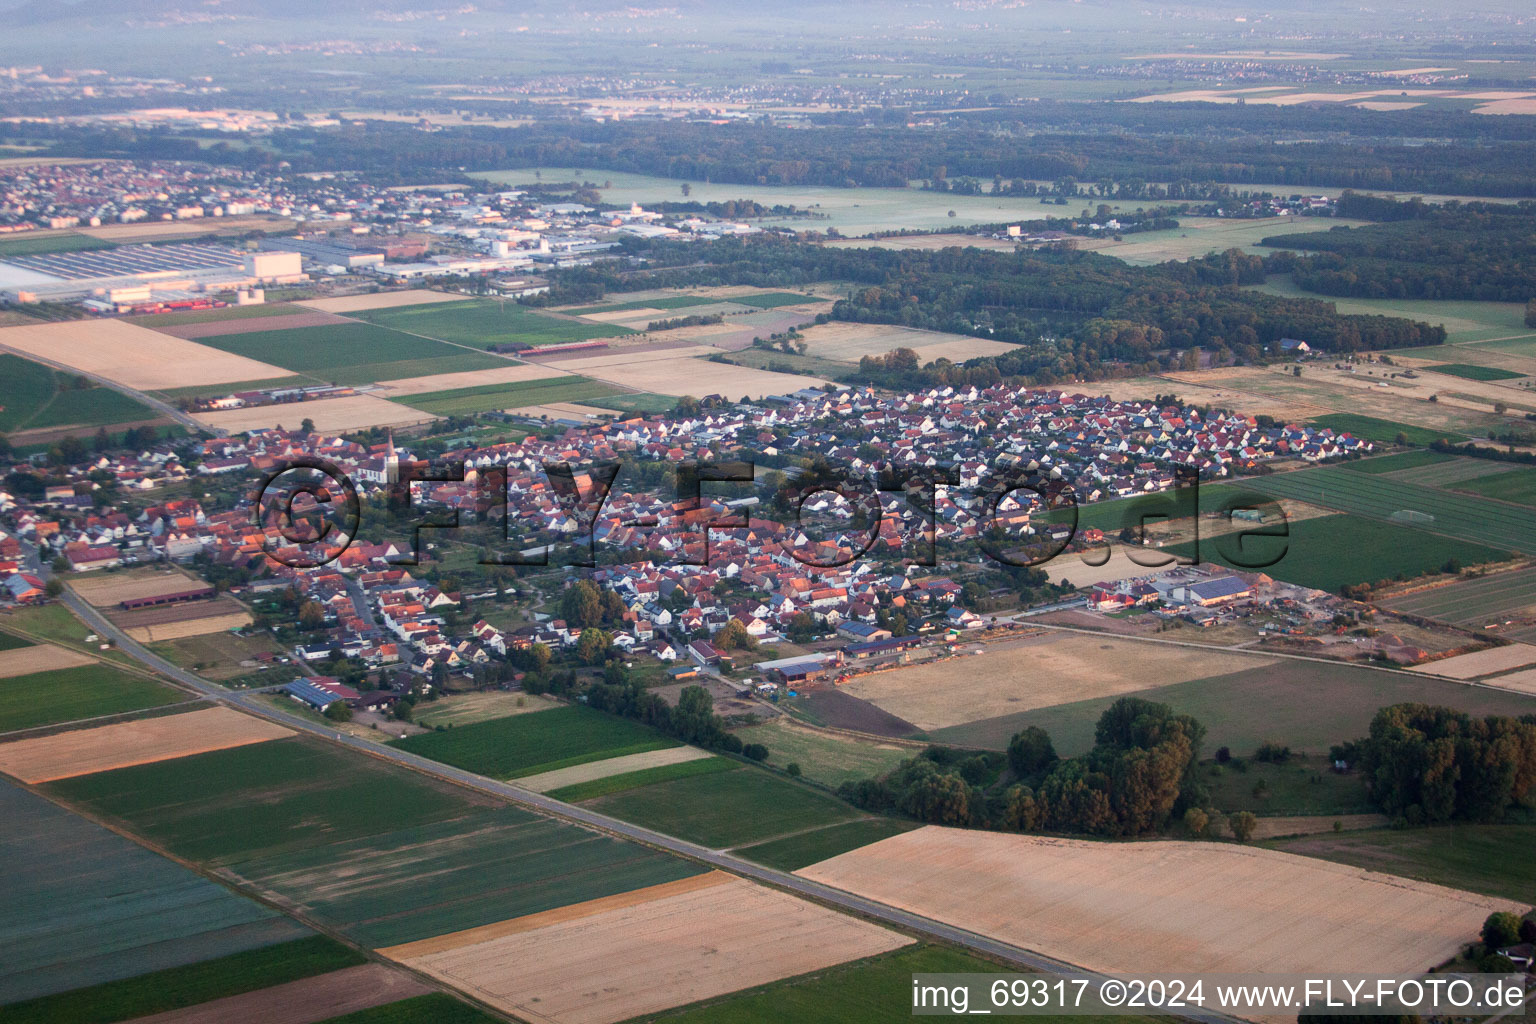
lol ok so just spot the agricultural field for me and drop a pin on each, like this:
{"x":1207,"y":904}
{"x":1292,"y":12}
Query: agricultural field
{"x":1165,"y":906}
{"x":458,"y":709}
{"x":332,"y":847}
{"x":1471,"y":372}
{"x":1399,"y":462}
{"x":340,"y":415}
{"x":481,"y":323}
{"x":509,"y":748}
{"x":1384,"y":431}
{"x":172,"y":621}
{"x":1330,"y":552}
{"x":84,"y":906}
{"x":34,"y":397}
{"x":602,"y":785}
{"x":1488,"y":661}
{"x":32,"y":244}
{"x":1017,"y":676}
{"x":519,"y":395}
{"x":667,"y":302}
{"x":1307,"y":705}
{"x":1475,"y":522}
{"x":103,"y":590}
{"x":357,"y":989}
{"x":1196,"y":236}
{"x":352,"y":353}
{"x":873,"y":991}
{"x":511,"y":373}
{"x":793,"y":852}
{"x":139,"y":742}
{"x":433,"y":1008}
{"x":382,"y":300}
{"x":1489,"y":859}
{"x":710,"y":809}
{"x":682,"y":372}
{"x":196,"y":983}
{"x":850,"y":342}
{"x":72,"y":694}
{"x":698,"y":938}
{"x":134,"y":356}
{"x":19,"y":658}
{"x":1516,"y":485}
{"x":1478,"y":603}
{"x":666,"y":758}
{"x":225,"y":314}
{"x":825,"y":757}
{"x":56,"y":624}
{"x":1464,"y":320}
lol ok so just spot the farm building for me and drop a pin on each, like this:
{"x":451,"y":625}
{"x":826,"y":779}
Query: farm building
{"x":320,"y":692}
{"x":1213,"y":592}
{"x":176,"y":597}
{"x":863,"y":632}
{"x":875,"y":648}
{"x":805,"y":669}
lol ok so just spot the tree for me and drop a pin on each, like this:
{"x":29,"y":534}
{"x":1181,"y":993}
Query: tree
{"x":1030,"y":751}
{"x":686,"y":189}
{"x":338,"y":711}
{"x":1242,"y":824}
{"x":792,"y":769}
{"x":311,"y":615}
{"x":734,"y":636}
{"x":592,"y":646}
{"x":54,"y":587}
{"x":307,"y":425}
{"x":581,"y":605}
{"x":1196,"y":821}
{"x":403,"y":711}
{"x":755,"y":752}
{"x":1500,"y":930}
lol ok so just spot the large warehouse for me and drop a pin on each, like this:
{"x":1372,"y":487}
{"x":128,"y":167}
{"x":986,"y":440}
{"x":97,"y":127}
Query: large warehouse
{"x":135,"y":273}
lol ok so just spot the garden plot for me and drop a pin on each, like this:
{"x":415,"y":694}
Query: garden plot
{"x":661,"y":947}
{"x":1166,"y":907}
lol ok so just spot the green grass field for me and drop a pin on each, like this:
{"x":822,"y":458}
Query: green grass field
{"x":177,"y":987}
{"x":1303,"y":785}
{"x":1394,"y":463}
{"x":1471,"y":372}
{"x":11,"y":642}
{"x":1517,"y":485}
{"x":1470,"y":519}
{"x":434,"y":1008}
{"x":24,"y":246}
{"x":642,"y":403}
{"x":482,"y":323}
{"x":824,"y":757}
{"x":353,"y":353}
{"x":32,"y":396}
{"x":1308,"y":706}
{"x":873,"y":991}
{"x":491,"y":397}
{"x":205,"y":316}
{"x":540,"y":741}
{"x":727,"y":809}
{"x":594,"y":788}
{"x":57,"y":624}
{"x":773,"y":300}
{"x":1490,"y":859}
{"x":795,"y":852}
{"x":1330,"y":552}
{"x":1383,"y":431}
{"x":665,"y":302}
{"x":70,"y":694}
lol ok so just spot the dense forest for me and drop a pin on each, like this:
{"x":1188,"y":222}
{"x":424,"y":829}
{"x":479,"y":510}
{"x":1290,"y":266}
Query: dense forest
{"x":1074,"y":315}
{"x":1419,"y":251}
{"x":1491,"y":158}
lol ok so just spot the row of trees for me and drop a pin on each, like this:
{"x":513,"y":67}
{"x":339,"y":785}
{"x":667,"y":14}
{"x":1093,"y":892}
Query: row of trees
{"x":1137,"y":776}
{"x":1424,"y":763}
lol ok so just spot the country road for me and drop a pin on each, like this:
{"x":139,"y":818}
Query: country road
{"x":555,"y":809}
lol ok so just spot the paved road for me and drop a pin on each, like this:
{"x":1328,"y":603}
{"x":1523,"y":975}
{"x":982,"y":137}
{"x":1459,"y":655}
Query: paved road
{"x":554,"y":808}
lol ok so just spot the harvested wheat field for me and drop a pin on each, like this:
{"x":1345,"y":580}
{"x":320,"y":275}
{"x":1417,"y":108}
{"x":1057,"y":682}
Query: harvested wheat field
{"x":123,"y":744}
{"x":381,"y":300}
{"x":329,"y":414}
{"x":660,"y":947}
{"x":848,"y":343}
{"x":133,"y":356}
{"x":546,"y":781}
{"x":1484,"y":662}
{"x":1521,"y":682}
{"x":681,"y":371}
{"x":509,"y":374}
{"x":1057,"y":668}
{"x":178,"y":628}
{"x":111,"y":588}
{"x":1154,"y":907}
{"x":560,"y":411}
{"x":23,"y":661}
{"x":306,"y":1001}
